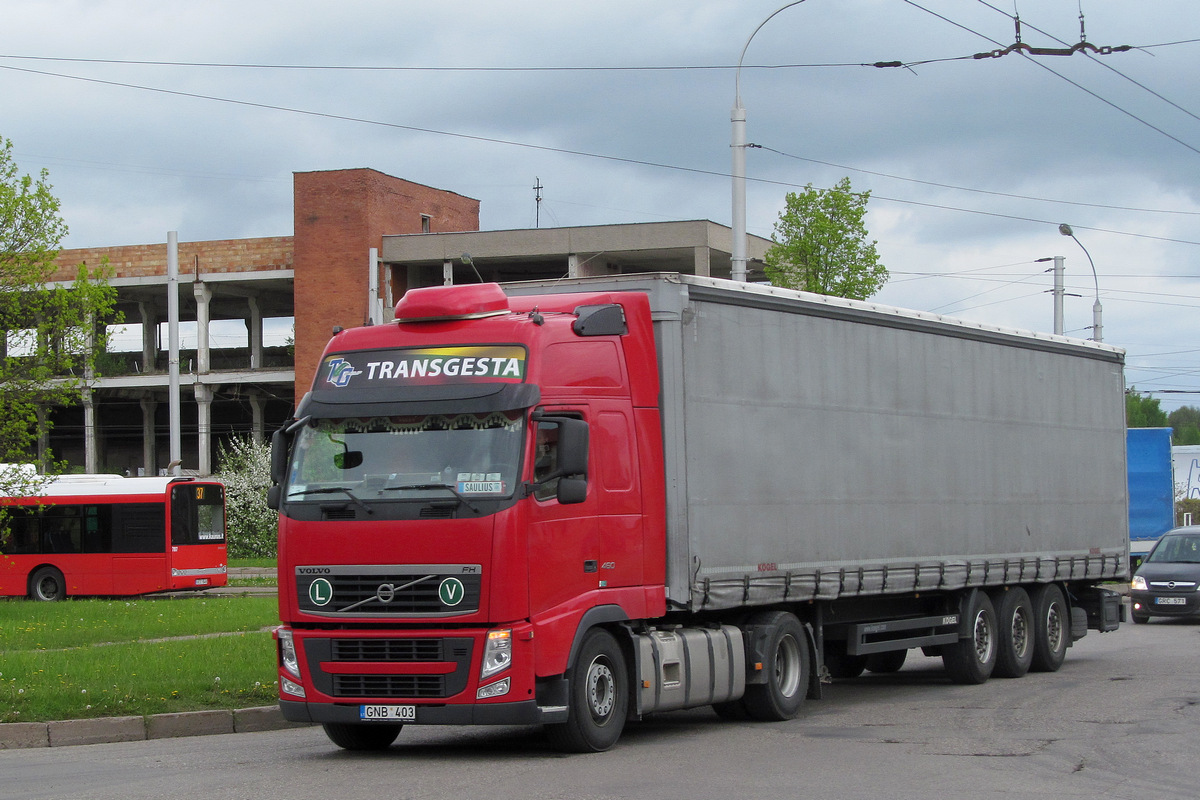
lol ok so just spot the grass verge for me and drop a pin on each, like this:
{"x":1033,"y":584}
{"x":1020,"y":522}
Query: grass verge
{"x":96,"y":658}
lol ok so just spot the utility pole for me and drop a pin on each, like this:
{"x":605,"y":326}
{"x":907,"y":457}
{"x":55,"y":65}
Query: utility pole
{"x":537,"y":202}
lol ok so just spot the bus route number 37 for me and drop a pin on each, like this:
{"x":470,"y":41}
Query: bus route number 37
{"x":388,"y":713}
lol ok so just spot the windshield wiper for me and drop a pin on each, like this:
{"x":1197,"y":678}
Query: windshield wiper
{"x":329,"y":490}
{"x":427,"y":486}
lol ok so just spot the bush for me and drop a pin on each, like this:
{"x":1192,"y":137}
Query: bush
{"x":1190,"y":506}
{"x":244,"y":466}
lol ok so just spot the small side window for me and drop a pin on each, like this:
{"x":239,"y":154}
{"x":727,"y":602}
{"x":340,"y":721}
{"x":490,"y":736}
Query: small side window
{"x":546,"y":461}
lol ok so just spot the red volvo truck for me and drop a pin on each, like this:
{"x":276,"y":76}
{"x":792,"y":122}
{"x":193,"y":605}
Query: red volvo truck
{"x":574,"y":503}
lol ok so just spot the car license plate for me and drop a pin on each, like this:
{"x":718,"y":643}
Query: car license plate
{"x":388,"y":713}
{"x":1170,"y":601}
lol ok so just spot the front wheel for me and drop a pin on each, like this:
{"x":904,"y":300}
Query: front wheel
{"x":367,"y":736}
{"x":786,"y":668}
{"x":47,"y":584}
{"x":599,"y":697}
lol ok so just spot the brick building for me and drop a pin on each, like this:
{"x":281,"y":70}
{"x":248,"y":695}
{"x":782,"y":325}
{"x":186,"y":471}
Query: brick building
{"x":362,"y":238}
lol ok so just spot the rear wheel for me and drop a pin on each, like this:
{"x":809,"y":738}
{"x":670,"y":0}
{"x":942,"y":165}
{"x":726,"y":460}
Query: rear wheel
{"x":971,"y":660}
{"x":47,"y":584}
{"x":1050,"y":628}
{"x":840,"y":664}
{"x":351,"y":736}
{"x":785,"y":666}
{"x":1014,"y":623}
{"x":599,"y":697}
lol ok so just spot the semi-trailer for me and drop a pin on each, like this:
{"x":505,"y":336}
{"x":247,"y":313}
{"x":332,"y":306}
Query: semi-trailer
{"x":574,"y":503}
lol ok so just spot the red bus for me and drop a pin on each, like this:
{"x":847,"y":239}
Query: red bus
{"x":109,"y":535}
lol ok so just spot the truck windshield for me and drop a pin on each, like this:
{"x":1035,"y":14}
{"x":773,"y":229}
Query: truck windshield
{"x":456,"y":455}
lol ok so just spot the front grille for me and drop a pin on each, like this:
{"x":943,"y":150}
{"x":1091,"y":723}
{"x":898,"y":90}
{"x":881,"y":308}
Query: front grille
{"x":396,"y":650}
{"x":443,"y":590}
{"x":389,"y":686}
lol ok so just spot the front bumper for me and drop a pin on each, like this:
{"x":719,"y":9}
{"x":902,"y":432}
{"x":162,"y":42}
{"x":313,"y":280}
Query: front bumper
{"x":1151,"y":604}
{"x":526,"y":712}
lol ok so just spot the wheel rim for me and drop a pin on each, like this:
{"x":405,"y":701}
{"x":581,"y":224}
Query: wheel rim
{"x":1054,"y":628}
{"x":1020,"y":633}
{"x":787,"y":666}
{"x":601,"y":689}
{"x":983,"y":638}
{"x":47,"y":588}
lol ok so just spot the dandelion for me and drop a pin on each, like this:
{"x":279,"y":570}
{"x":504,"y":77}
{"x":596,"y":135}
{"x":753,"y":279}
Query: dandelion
{"x":217,"y":679}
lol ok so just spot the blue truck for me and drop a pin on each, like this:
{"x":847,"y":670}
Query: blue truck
{"x":1151,"y":488}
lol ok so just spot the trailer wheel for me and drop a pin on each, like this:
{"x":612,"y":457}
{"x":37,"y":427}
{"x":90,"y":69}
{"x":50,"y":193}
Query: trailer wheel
{"x":971,"y":660}
{"x":786,"y":668}
{"x":1050,"y":628}
{"x":599,"y":697}
{"x":350,"y":736}
{"x":47,"y":584}
{"x":1014,"y":622}
{"x":886,"y":663}
{"x":840,"y":664}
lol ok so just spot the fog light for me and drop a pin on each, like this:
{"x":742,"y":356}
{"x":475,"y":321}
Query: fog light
{"x":288,"y":686}
{"x":496,"y":689}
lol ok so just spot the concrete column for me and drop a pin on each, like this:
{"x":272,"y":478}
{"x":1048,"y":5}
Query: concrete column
{"x":256,"y":415}
{"x":204,"y":397}
{"x":149,"y":336}
{"x":91,"y":459}
{"x":149,"y":440}
{"x":203,"y":297}
{"x":701,"y":260}
{"x":447,"y":273}
{"x":256,"y":334}
{"x":572,"y":265}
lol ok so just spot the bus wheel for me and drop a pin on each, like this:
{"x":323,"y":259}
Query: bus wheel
{"x":970,"y":661}
{"x":47,"y":584}
{"x":1014,"y":619}
{"x":786,"y":669}
{"x":599,"y":697}
{"x":1050,"y":628}
{"x":351,"y":736}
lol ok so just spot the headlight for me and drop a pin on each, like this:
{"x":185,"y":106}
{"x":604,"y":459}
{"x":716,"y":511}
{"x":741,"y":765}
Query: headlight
{"x":287,"y":651}
{"x":1139,"y":584}
{"x":497,"y":654}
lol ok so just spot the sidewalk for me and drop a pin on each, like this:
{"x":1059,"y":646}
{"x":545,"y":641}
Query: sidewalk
{"x":65,"y":733}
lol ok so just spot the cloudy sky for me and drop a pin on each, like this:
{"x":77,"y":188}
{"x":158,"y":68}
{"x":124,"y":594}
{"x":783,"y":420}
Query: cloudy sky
{"x":192,"y":116}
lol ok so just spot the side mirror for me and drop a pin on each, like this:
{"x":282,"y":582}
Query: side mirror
{"x":572,"y":490}
{"x":572,"y":446}
{"x":279,"y":456}
{"x":274,"y":495}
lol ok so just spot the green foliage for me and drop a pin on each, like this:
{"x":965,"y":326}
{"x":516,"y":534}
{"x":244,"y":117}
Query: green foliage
{"x":49,"y":335}
{"x":1187,"y":506}
{"x":1143,"y":412}
{"x":821,"y":244}
{"x":244,"y":466}
{"x":1185,"y":424}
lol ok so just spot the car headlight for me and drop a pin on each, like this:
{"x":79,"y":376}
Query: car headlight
{"x":497,"y":653}
{"x":287,"y":651}
{"x":1138,"y":584}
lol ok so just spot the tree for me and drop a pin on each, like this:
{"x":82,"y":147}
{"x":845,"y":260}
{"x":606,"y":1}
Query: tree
{"x":244,"y":466}
{"x":1143,"y":411}
{"x":1185,"y":424}
{"x":821,"y":244}
{"x":50,"y":335}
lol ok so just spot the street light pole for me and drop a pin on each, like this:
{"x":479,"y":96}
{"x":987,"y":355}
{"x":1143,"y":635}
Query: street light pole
{"x":1097,"y":311}
{"x":738,"y":172}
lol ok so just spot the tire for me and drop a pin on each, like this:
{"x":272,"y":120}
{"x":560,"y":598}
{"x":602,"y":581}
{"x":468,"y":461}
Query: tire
{"x":786,"y":665}
{"x":1139,"y":619}
{"x":887,"y":663}
{"x":842,"y":666}
{"x":47,"y":584}
{"x":731,"y":710}
{"x":970,"y":661}
{"x":1014,"y":625}
{"x":368,"y":736}
{"x":599,"y":697}
{"x":1051,"y":628}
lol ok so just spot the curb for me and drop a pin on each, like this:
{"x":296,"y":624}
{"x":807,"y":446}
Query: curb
{"x":70,"y":732}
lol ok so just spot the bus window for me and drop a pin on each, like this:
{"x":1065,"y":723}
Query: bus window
{"x":22,"y":531}
{"x":197,"y":514}
{"x":62,"y":530}
{"x":139,"y":528}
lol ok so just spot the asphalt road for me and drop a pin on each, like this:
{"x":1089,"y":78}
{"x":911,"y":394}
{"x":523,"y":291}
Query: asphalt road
{"x":1120,"y":720}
